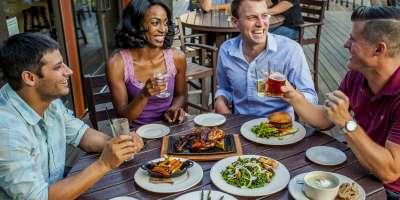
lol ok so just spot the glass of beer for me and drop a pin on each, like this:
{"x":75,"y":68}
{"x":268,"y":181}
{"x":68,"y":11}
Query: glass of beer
{"x":260,"y":87}
{"x":121,"y":127}
{"x":274,"y":83}
{"x":261,"y":78}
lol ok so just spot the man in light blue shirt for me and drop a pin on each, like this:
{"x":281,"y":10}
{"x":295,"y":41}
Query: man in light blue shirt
{"x":35,"y":126}
{"x":255,"y":50}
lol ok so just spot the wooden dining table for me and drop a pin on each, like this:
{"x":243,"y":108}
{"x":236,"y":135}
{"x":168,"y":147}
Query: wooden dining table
{"x":217,"y":22}
{"x":120,"y":181}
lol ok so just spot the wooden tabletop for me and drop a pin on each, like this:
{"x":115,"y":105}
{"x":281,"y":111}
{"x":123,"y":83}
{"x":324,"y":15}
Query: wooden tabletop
{"x":120,"y":181}
{"x":217,"y":21}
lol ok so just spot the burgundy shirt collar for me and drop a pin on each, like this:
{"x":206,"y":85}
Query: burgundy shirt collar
{"x":391,"y":88}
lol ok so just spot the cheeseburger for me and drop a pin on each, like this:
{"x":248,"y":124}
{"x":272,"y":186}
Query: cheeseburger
{"x":281,"y":121}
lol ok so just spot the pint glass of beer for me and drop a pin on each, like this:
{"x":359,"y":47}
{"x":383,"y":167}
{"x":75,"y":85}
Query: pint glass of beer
{"x":274,"y":83}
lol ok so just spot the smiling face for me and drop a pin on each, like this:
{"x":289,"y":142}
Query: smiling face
{"x":156,"y":25}
{"x":362,"y":52}
{"x":55,"y":74}
{"x":253,"y":22}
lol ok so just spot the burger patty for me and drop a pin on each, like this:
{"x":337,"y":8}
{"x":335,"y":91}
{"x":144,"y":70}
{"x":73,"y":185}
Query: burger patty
{"x":281,"y":125}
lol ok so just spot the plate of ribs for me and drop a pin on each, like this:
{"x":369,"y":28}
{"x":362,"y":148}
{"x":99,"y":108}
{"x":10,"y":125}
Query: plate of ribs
{"x":202,"y":140}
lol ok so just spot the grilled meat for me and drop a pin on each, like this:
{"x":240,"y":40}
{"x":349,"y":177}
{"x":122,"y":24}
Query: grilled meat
{"x":201,"y":139}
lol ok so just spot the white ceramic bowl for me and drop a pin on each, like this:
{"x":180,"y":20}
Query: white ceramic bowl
{"x":319,"y":185}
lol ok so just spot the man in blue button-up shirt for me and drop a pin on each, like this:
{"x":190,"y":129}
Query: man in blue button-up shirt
{"x":241,"y":59}
{"x":35,"y":126}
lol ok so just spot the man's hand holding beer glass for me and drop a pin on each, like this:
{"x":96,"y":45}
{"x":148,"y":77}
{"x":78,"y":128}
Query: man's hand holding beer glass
{"x":290,"y":94}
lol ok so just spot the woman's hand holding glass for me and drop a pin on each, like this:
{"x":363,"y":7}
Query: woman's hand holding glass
{"x":151,"y":88}
{"x":156,"y":87}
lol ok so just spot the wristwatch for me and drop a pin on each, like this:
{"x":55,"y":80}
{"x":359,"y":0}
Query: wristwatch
{"x":349,"y":126}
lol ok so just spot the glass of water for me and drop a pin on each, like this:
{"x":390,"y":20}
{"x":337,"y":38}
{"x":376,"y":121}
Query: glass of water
{"x":121,"y":127}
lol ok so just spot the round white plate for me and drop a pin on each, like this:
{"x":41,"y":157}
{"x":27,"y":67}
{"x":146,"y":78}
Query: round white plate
{"x":215,"y":195}
{"x":123,"y":198}
{"x":279,"y":181}
{"x":296,"y":186}
{"x":183,"y":182}
{"x":152,"y":131}
{"x":209,"y":119}
{"x":245,"y":130}
{"x":325,"y":155}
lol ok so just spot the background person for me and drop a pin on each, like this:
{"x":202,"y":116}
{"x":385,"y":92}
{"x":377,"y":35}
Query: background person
{"x":291,"y":10}
{"x":208,"y":5}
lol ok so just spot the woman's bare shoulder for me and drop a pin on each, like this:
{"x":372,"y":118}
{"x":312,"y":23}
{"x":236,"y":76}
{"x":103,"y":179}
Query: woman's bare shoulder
{"x":115,"y":60}
{"x":179,"y":55}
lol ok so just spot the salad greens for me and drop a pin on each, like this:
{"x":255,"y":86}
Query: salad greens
{"x":265,"y":130}
{"x":248,"y":173}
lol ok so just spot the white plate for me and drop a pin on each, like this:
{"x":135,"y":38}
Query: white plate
{"x":325,"y":155}
{"x":245,"y":130}
{"x":123,"y":198}
{"x":279,"y":181}
{"x":152,"y":131}
{"x":209,"y":119}
{"x":296,"y":189}
{"x":183,"y":182}
{"x":215,"y":195}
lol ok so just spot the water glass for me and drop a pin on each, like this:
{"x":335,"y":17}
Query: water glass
{"x":261,"y":78}
{"x":121,"y":127}
{"x":162,"y":81}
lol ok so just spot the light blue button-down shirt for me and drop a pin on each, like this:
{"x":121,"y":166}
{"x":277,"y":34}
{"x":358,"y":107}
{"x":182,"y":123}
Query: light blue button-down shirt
{"x":32,"y":148}
{"x":236,"y":78}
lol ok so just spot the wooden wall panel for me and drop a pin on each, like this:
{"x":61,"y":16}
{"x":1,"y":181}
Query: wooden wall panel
{"x":72,"y":55}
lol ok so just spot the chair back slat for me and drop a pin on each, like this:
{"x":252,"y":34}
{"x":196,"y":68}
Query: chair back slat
{"x":102,"y":97}
{"x":311,"y":19}
{"x":98,"y":80}
{"x":102,"y":115}
{"x":310,"y":10}
{"x":319,"y":3}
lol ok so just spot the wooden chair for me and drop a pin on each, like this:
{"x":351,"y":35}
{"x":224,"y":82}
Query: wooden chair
{"x":199,"y":71}
{"x":96,"y":100}
{"x":313,"y":12}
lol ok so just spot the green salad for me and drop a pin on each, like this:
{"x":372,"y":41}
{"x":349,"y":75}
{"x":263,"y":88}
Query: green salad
{"x":249,"y":172}
{"x":264,"y":130}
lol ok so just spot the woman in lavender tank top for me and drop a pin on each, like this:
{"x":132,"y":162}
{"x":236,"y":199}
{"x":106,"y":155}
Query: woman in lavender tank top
{"x":144,"y":37}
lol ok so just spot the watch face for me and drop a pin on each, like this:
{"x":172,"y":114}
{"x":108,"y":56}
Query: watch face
{"x":351,"y":126}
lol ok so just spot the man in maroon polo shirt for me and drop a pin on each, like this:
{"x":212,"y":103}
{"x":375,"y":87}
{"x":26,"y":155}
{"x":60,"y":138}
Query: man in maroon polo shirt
{"x":371,"y":90}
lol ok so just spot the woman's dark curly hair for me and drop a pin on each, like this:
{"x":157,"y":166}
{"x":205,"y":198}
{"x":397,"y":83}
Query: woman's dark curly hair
{"x":130,"y":31}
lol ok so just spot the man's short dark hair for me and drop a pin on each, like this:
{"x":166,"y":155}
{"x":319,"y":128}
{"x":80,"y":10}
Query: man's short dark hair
{"x":363,"y":13}
{"x":24,"y":52}
{"x":235,"y":5}
{"x":130,"y":31}
{"x":382,"y":25}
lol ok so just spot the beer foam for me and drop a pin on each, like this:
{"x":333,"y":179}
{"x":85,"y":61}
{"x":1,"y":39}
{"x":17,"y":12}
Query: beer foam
{"x":277,"y":76}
